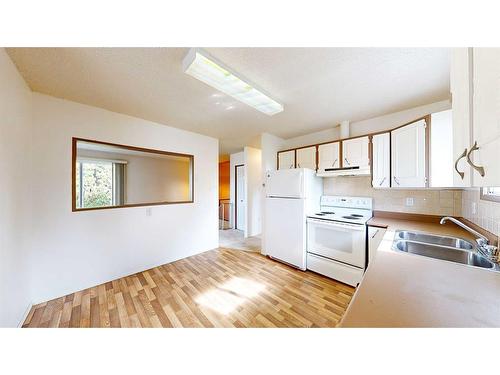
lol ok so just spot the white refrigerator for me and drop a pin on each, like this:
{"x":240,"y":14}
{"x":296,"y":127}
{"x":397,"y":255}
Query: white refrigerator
{"x":291,"y":194}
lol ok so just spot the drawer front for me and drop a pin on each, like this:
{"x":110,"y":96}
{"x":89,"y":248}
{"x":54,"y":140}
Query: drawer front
{"x":339,"y":271}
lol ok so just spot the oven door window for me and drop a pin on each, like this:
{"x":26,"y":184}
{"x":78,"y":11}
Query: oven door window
{"x":341,"y":242}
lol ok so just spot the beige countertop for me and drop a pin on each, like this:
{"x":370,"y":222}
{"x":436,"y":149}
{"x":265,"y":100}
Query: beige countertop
{"x":406,"y":290}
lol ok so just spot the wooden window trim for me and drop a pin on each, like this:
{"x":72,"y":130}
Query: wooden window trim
{"x":75,"y":140}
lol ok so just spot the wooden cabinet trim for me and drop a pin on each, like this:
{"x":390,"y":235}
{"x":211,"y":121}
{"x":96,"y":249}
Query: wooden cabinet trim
{"x":357,"y":136}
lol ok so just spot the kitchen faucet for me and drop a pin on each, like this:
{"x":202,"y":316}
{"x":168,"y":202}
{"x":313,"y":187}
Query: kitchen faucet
{"x":484,"y":248}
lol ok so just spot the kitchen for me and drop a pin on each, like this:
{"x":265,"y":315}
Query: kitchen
{"x":324,"y":207}
{"x":243,"y":185}
{"x":423,"y":170}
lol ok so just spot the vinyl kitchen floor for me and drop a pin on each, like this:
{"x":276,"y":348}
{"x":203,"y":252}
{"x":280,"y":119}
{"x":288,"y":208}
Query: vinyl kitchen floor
{"x":218,"y":288}
{"x":234,"y":239}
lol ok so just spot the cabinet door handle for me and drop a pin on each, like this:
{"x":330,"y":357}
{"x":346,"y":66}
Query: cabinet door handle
{"x":381,"y":182}
{"x":298,"y":165}
{"x":347,"y":161}
{"x":477,"y":168}
{"x":461,"y":174}
{"x":335,"y":162}
{"x":291,"y":166}
{"x":396,"y":180}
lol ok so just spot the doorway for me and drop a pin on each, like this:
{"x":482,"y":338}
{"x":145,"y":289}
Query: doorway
{"x":239,"y":197}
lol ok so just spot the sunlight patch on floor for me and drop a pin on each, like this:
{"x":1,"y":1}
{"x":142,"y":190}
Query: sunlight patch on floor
{"x":243,"y":287}
{"x":230,"y":295}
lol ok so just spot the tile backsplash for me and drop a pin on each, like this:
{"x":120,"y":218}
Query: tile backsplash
{"x":465,"y":203}
{"x":429,"y":202}
{"x":486,"y":214}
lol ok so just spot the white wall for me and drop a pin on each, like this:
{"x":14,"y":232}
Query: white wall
{"x":397,"y":118}
{"x":234,"y":160}
{"x":372,"y":125}
{"x":313,"y":138}
{"x":270,"y":146}
{"x":73,"y":251}
{"x":253,"y":190}
{"x":15,"y":193}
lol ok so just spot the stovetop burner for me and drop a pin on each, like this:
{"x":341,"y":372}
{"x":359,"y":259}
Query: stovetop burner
{"x":354,"y":210}
{"x":352,"y":217}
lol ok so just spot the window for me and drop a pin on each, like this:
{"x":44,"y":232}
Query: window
{"x":490,"y":194}
{"x":107,"y":175}
{"x":99,"y":183}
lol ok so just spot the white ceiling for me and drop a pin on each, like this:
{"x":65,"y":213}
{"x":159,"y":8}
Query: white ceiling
{"x":319,"y":87}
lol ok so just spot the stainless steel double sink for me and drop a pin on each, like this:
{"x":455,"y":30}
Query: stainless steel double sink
{"x":451,"y":249}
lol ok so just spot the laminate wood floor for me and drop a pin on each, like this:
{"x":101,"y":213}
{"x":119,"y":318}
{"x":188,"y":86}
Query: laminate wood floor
{"x":218,"y":288}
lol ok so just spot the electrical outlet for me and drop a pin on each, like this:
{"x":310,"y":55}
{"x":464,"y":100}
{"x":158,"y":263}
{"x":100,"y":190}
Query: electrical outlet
{"x":409,"y":201}
{"x":149,"y":211}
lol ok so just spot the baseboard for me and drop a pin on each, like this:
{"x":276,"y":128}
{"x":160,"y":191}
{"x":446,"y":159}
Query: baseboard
{"x":25,"y":315}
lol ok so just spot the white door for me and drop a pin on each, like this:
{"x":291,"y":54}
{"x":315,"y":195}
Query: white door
{"x":355,"y":152}
{"x":460,"y":87}
{"x":286,"y":160}
{"x":381,"y":160}
{"x":329,"y":156}
{"x":306,"y":157}
{"x":240,"y":198}
{"x":408,"y":155}
{"x":486,"y":112}
{"x":285,"y":230}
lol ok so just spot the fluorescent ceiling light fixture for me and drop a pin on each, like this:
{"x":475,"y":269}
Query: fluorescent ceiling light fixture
{"x":204,"y":67}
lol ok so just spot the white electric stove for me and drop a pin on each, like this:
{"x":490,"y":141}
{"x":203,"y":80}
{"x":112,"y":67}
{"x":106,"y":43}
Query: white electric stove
{"x":336,"y":238}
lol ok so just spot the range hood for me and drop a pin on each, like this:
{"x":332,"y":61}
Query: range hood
{"x":348,"y":171}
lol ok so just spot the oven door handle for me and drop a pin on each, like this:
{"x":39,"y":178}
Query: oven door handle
{"x":336,"y":224}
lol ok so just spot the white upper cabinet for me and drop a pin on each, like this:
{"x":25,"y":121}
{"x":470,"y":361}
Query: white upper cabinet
{"x":329,"y":156}
{"x":286,"y":160}
{"x":306,"y":157}
{"x":355,"y":153}
{"x":460,"y":87}
{"x":408,"y":155}
{"x":381,"y":177}
{"x":484,"y":151}
{"x":475,"y":88}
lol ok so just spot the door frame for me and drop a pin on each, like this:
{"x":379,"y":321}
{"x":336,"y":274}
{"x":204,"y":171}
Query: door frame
{"x":236,"y":194}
